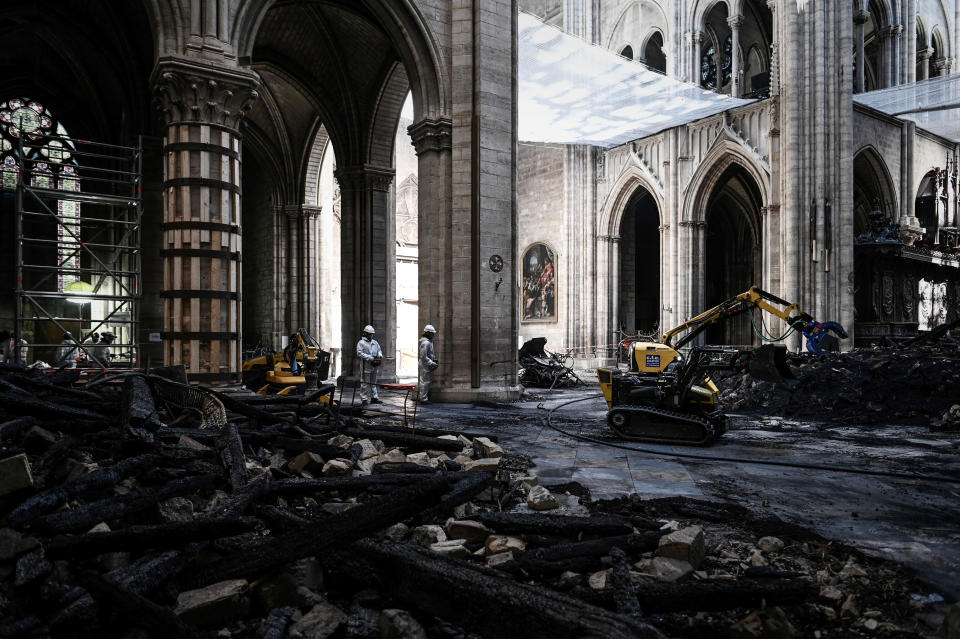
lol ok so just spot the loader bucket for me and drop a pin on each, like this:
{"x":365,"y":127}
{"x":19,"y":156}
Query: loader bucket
{"x":768,"y":363}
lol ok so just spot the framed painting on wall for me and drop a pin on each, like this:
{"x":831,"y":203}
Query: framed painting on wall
{"x":539,"y":289}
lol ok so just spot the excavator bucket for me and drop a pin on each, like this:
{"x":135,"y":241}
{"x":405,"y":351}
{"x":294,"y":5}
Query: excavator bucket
{"x":769,"y":364}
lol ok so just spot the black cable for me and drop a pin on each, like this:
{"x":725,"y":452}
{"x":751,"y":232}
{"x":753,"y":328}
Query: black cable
{"x":738,"y":460}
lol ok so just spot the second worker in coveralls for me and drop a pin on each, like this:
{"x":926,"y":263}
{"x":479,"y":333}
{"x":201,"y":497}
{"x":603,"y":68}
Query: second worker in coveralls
{"x":428,"y":362}
{"x":369,"y":357}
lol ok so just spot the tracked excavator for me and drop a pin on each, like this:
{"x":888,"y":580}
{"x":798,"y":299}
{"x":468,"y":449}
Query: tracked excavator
{"x":295,"y":370}
{"x":668,"y":397}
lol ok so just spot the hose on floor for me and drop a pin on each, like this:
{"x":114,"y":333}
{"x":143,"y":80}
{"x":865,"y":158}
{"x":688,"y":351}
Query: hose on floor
{"x":738,"y":460}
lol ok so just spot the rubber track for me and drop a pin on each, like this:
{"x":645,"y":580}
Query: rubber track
{"x":709,"y":430}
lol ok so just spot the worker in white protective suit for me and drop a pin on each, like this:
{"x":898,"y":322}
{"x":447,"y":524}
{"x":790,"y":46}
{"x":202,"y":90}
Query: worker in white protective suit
{"x":428,"y":362}
{"x":67,"y":351}
{"x":102,"y":350}
{"x":369,"y":358}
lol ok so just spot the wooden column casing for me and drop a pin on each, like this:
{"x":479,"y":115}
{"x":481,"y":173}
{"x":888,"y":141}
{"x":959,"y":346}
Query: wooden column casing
{"x":202,"y":245}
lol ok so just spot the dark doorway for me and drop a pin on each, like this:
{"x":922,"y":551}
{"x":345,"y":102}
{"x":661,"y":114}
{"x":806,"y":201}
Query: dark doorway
{"x":640,"y":264}
{"x":732,"y":251}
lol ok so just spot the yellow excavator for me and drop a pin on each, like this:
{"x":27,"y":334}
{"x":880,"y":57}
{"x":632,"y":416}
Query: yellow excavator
{"x":289,"y":371}
{"x":667,"y":397}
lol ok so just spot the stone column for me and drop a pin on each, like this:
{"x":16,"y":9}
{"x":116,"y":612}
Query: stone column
{"x":923,"y":57}
{"x":302,"y":286}
{"x":368,"y":263}
{"x":695,"y":63}
{"x":735,"y":22}
{"x":774,"y":50}
{"x":816,"y":127}
{"x":860,"y":18}
{"x":203,"y":107}
{"x":607,"y":289}
{"x":896,"y":62}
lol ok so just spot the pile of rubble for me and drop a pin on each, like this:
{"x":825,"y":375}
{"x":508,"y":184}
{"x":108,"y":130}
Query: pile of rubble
{"x":889,"y":385}
{"x":135,"y":506}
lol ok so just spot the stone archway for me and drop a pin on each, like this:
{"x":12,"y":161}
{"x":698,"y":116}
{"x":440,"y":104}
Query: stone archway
{"x":639,"y":281}
{"x":732,"y":249}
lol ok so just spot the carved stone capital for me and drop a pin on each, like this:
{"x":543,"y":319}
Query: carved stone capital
{"x":190,"y":92}
{"x":364,"y":178}
{"x":925,"y":54}
{"x":431,"y":135}
{"x":735,"y":22}
{"x":310,"y":211}
{"x":861,"y":16}
{"x":697,"y":37}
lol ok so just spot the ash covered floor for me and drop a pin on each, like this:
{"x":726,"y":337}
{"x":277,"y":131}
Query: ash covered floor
{"x":911,"y":521}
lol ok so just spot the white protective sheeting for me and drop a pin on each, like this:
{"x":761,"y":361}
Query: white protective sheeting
{"x":573,"y":92}
{"x":933,"y":104}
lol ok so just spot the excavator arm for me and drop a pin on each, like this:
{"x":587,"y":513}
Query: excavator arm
{"x":756,"y":298}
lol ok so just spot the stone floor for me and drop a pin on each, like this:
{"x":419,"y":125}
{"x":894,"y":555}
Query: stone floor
{"x":914,"y":521}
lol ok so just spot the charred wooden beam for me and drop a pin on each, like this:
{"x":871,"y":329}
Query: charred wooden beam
{"x":337,"y":531}
{"x":563,"y":526}
{"x":85,"y":485}
{"x":406,"y":440}
{"x":471,"y":485}
{"x":348,"y":484}
{"x":12,"y":428}
{"x":118,"y":506}
{"x":231,"y":454}
{"x":320,"y":447}
{"x":238,"y":503}
{"x":139,"y":538}
{"x":148,"y":572}
{"x":31,"y":405}
{"x":634,"y":544}
{"x":481,"y":599}
{"x":138,"y":408}
{"x":386,"y":468}
{"x":621,"y":586}
{"x":139,"y":611}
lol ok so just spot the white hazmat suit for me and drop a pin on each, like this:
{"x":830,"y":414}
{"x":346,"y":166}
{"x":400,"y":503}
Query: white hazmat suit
{"x":368,"y":357}
{"x":427,"y":364}
{"x":67,"y":352}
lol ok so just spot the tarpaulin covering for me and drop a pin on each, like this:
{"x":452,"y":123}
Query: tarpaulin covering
{"x":574,"y":92}
{"x":933,"y":104}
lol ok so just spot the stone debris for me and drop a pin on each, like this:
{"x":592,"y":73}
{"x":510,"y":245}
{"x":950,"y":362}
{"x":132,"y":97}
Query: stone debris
{"x":400,"y":624}
{"x":472,"y":531}
{"x":687,"y":544}
{"x":486,"y":448}
{"x":540,"y":498}
{"x":210,"y":606}
{"x":427,"y":535}
{"x":15,"y":474}
{"x":666,"y":569}
{"x":322,"y":621}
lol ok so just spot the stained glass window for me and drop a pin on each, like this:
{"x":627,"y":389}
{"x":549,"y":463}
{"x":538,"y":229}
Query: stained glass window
{"x":28,"y":128}
{"x":708,"y":68}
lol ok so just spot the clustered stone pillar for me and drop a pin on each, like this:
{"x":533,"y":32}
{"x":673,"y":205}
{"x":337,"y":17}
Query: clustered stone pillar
{"x":923,"y":56}
{"x":368,"y":261}
{"x":432,"y":141}
{"x":735,"y":23}
{"x":201,"y":215}
{"x":302,"y":286}
{"x":695,"y":63}
{"x":860,"y":19}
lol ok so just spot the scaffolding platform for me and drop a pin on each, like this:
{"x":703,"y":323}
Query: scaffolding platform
{"x":78,"y":256}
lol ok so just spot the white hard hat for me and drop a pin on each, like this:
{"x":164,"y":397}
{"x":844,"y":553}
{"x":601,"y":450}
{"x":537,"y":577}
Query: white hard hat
{"x":368,"y":329}
{"x":429,"y":329}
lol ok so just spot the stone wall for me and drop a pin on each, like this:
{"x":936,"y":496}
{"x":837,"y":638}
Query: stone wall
{"x":541,"y":202}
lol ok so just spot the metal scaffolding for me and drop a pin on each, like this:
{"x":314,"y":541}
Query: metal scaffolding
{"x":78,"y":259}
